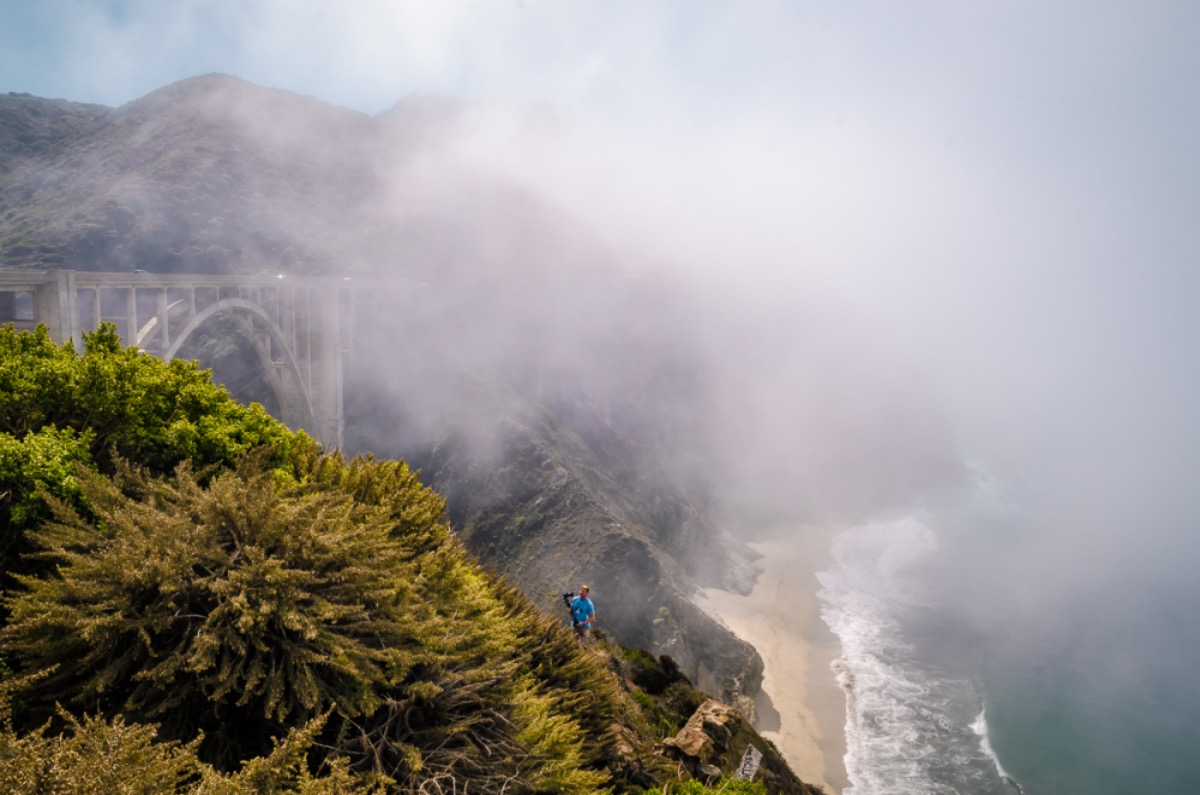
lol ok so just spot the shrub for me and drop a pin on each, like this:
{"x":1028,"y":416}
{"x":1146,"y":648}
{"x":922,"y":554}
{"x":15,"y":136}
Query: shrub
{"x":40,"y":463}
{"x":726,"y":786}
{"x":93,"y":755}
{"x":223,"y":608}
{"x":58,"y":407}
{"x":238,"y":608}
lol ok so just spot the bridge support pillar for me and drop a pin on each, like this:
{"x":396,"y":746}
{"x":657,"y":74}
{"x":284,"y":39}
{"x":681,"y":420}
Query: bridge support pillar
{"x":326,"y":374}
{"x":56,"y":307}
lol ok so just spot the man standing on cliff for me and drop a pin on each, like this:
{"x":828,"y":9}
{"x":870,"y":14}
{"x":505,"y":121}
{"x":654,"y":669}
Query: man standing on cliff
{"x":583,"y":614}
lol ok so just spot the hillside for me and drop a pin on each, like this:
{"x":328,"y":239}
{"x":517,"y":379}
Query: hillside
{"x":583,"y":423}
{"x":216,"y":175}
{"x":169,"y":182}
{"x":221,"y":608}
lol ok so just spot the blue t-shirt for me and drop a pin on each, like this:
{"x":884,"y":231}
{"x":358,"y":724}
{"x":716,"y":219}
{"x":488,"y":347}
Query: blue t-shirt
{"x":582,"y":609}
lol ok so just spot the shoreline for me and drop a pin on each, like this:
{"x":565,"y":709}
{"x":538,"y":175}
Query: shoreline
{"x":801,"y":708}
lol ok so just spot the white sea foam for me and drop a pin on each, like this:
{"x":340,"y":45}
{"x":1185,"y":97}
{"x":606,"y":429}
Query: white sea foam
{"x":906,"y":731}
{"x":980,"y":728}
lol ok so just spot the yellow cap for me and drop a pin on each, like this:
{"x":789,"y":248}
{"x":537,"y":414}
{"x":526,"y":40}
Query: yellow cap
{"x":583,"y":588}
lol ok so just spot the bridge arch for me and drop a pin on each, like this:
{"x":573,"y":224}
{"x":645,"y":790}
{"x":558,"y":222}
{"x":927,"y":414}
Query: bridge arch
{"x":257,"y":327}
{"x":305,"y":330}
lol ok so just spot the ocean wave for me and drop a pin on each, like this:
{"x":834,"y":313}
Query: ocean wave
{"x":980,"y":728}
{"x":909,"y":729}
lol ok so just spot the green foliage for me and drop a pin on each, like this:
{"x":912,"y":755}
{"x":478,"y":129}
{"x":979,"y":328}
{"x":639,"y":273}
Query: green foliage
{"x":209,"y":604}
{"x":555,"y":740}
{"x":262,"y":598}
{"x":154,"y":412}
{"x":681,"y":700}
{"x":414,"y":510}
{"x":286,"y":771}
{"x":660,"y":723}
{"x":639,"y":657}
{"x":666,"y":698}
{"x":62,"y":407}
{"x":726,"y":786}
{"x":41,"y":463}
{"x":580,"y":681}
{"x":91,"y":755}
{"x":467,"y":716}
{"x":183,"y":603}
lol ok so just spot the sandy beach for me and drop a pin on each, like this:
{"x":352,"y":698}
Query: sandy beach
{"x":802,"y":710}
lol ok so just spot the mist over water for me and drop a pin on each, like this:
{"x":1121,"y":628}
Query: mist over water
{"x":967,"y":670}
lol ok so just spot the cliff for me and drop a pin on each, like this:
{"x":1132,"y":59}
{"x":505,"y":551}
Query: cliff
{"x":274,"y":618}
{"x":586,"y":421}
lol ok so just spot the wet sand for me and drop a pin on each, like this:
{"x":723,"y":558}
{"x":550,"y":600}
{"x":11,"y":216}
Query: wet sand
{"x":802,"y":710}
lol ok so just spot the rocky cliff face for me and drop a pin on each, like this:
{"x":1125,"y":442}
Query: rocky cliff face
{"x":535,"y":501}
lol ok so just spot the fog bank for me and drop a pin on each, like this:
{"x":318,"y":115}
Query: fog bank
{"x":992,"y":207}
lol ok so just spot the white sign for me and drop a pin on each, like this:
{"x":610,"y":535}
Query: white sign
{"x":749,"y":764}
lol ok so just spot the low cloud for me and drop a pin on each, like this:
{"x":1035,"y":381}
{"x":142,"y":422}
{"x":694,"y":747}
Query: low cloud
{"x":995,"y":204}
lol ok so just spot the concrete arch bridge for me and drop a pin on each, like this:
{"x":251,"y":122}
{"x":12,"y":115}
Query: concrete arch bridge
{"x":305,"y":331}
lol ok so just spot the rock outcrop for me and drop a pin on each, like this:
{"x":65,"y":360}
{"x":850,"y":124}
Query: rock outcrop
{"x":714,"y":742}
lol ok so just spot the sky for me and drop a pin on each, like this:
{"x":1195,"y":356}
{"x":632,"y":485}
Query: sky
{"x":1002,"y":193}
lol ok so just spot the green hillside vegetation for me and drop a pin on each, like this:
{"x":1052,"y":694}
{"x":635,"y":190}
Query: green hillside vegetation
{"x":201,"y":600}
{"x":59,"y":407}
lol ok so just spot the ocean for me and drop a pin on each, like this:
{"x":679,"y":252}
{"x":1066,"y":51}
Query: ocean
{"x":981,"y":655}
